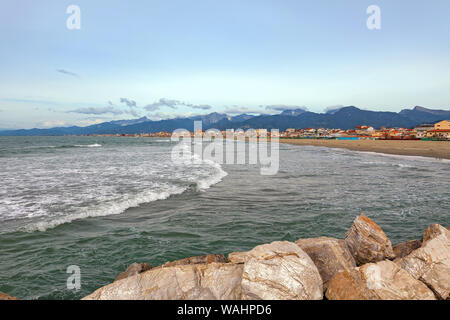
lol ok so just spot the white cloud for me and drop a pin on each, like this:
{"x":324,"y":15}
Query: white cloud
{"x":73,"y":74}
{"x":241,"y":110}
{"x":51,"y":123}
{"x":282,"y":107}
{"x":97,"y":110}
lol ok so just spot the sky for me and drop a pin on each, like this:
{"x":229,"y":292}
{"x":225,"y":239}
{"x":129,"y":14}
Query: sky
{"x":169,"y":58}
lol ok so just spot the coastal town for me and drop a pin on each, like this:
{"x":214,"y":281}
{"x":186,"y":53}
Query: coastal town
{"x":439,"y":131}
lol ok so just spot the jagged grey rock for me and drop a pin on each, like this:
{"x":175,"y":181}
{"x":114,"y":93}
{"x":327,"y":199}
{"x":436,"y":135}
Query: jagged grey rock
{"x":367,"y":242}
{"x":133,"y":269}
{"x":431,"y":262}
{"x":280,"y":270}
{"x":330,"y":256}
{"x":404,"y":248}
{"x":214,"y":281}
{"x":383,"y":280}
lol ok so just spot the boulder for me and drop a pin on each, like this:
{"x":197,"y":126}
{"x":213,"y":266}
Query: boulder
{"x":330,"y":256}
{"x":433,"y":231}
{"x":191,"y":281}
{"x":133,"y":269}
{"x":367,"y":242}
{"x":238,"y":257}
{"x":431,"y":262}
{"x":4,"y":296}
{"x":198,"y":260}
{"x":280,"y":270}
{"x":383,"y":280}
{"x":404,"y":248}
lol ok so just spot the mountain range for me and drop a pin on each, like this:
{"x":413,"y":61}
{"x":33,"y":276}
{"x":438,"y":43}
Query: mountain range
{"x":344,"y":118}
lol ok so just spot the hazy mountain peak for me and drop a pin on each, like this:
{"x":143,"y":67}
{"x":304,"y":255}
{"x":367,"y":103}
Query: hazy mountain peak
{"x":293,"y":112}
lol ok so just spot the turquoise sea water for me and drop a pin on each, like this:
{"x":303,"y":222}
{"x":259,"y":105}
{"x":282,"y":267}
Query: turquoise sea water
{"x":103,"y":203}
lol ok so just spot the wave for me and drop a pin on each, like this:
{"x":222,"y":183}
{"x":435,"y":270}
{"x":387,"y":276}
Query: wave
{"x":384,"y":163}
{"x":404,"y":157}
{"x":95,"y":145}
{"x":120,"y":206}
{"x":206,"y":183}
{"x":106,"y":209}
{"x":38,"y":147}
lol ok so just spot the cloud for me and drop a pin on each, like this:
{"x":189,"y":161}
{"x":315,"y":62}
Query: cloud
{"x":166,"y":116}
{"x":174,"y":104}
{"x":163,"y":102}
{"x":97,"y":110}
{"x":128,"y":102}
{"x":201,"y":107}
{"x":281,"y":107}
{"x":89,"y":122}
{"x":333,"y":108}
{"x":51,"y":123}
{"x":73,"y":74}
{"x":241,"y":110}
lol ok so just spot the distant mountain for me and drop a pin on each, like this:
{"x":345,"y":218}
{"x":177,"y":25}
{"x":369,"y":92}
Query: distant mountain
{"x":421,"y":114}
{"x":241,"y":117}
{"x":293,"y":112}
{"x":334,"y":110}
{"x":129,"y":122}
{"x":211,"y":118}
{"x":344,"y":118}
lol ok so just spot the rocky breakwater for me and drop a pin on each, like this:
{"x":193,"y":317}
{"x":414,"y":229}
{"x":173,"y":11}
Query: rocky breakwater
{"x":363,"y":265}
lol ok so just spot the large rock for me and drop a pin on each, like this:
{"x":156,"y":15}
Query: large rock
{"x":431,"y":262}
{"x":238,"y":257}
{"x":134,"y":269}
{"x":279,"y":271}
{"x":404,"y":248}
{"x":4,"y":296}
{"x":330,"y":256}
{"x":367,"y":242}
{"x":383,"y":280}
{"x":198,"y":260}
{"x":433,"y":231}
{"x":192,"y":281}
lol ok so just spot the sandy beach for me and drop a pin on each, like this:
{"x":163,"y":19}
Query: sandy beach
{"x":434,"y":149}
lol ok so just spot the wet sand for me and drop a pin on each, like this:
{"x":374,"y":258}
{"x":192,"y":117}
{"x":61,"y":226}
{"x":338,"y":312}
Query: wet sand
{"x":434,"y":149}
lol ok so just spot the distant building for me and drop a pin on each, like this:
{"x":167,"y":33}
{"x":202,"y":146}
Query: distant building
{"x":443,"y":125}
{"x":261,"y":132}
{"x":439,"y":133}
{"x":421,"y":131}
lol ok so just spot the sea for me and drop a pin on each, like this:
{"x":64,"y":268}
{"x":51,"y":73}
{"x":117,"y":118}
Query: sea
{"x":102,"y":203}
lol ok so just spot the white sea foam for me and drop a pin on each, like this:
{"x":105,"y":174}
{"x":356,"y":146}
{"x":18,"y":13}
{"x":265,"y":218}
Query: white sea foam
{"x":45,"y":190}
{"x":404,"y":157}
{"x":106,"y":209}
{"x":206,"y":183}
{"x":94,"y":145}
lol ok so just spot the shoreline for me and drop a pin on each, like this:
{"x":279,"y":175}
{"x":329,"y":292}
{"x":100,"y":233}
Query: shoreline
{"x":430,"y":149}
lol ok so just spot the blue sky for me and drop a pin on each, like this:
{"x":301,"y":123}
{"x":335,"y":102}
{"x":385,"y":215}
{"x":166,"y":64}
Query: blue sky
{"x":168,"y":58}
